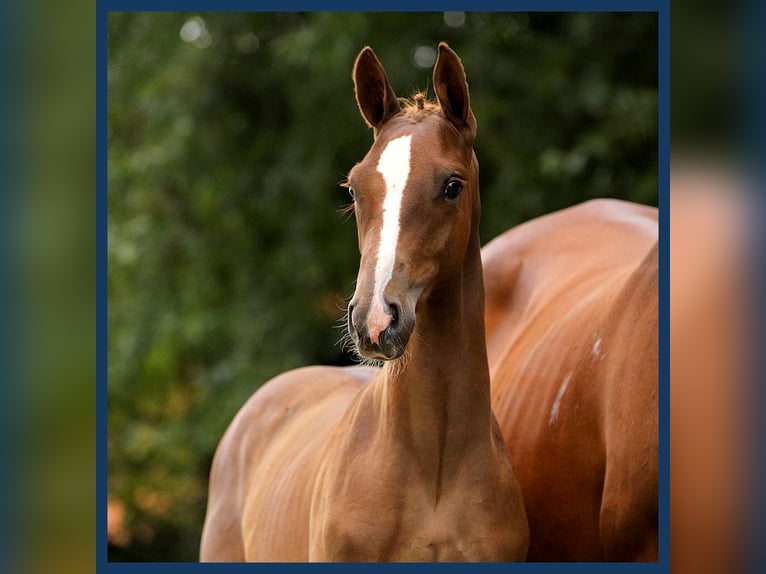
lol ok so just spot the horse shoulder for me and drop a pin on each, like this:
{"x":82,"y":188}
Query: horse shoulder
{"x":269,"y":450}
{"x":353,"y":515}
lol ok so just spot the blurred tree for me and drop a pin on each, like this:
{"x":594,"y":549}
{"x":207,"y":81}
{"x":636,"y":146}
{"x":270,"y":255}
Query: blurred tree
{"x":228,"y":258}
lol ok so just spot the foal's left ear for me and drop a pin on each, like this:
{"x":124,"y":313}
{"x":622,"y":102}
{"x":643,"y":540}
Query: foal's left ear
{"x":451,"y":89}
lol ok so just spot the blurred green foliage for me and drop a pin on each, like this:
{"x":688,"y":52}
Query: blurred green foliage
{"x":50,"y":221}
{"x":229,"y":260}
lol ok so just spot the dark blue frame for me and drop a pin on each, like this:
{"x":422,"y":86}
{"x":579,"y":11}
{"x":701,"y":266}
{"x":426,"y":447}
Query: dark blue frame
{"x":660,"y":7}
{"x":10,"y":290}
{"x":754,"y":118}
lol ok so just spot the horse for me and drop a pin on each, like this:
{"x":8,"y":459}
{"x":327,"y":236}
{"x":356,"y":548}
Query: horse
{"x":572,"y":331}
{"x":405,"y":462}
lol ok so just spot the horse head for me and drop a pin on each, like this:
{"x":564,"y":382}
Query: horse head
{"x":416,"y":200}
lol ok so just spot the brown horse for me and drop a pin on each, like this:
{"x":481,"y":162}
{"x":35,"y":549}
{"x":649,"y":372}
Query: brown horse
{"x":572,"y":326}
{"x":406,"y":462}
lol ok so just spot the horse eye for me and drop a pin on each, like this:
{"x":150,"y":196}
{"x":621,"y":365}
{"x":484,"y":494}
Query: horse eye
{"x":351,"y":192}
{"x":453,"y":189}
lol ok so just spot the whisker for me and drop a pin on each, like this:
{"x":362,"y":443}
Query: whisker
{"x":347,"y":210}
{"x":342,"y":302}
{"x":363,"y":361}
{"x":342,"y":322}
{"x":421,"y":339}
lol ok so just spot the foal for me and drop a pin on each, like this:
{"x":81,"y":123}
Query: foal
{"x":407,"y":462}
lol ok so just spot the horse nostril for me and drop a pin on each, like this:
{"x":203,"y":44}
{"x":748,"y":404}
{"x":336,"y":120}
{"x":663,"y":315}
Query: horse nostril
{"x":394,"y":314}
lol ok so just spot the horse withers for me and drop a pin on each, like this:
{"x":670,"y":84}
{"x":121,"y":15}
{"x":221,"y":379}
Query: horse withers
{"x":407,"y":462}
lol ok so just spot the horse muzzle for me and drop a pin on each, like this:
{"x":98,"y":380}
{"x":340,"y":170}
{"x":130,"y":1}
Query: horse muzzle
{"x":380,"y":331}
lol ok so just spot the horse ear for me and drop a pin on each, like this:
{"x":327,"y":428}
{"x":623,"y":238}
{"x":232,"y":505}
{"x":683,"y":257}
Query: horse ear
{"x":451,"y":89}
{"x":374,"y":95}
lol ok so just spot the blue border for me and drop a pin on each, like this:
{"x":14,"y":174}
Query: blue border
{"x":384,"y":6}
{"x":661,"y":7}
{"x":12,"y":522}
{"x":101,"y":284}
{"x":663,"y":174}
{"x":755,"y":138}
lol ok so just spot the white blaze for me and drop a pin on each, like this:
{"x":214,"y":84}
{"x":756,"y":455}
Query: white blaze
{"x":394,"y":166}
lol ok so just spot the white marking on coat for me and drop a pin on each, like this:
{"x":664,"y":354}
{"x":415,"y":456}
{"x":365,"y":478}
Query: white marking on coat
{"x":597,"y":348}
{"x":557,"y":401}
{"x":394,"y":166}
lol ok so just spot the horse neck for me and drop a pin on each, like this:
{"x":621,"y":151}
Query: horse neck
{"x":437,"y":399}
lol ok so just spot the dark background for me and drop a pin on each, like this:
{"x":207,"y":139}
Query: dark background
{"x":229,"y":261}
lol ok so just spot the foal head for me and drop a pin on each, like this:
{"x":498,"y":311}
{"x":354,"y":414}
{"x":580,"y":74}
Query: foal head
{"x":416,"y":199}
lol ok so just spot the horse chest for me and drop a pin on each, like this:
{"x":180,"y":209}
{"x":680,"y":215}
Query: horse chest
{"x":456,"y":532}
{"x":408,"y":526}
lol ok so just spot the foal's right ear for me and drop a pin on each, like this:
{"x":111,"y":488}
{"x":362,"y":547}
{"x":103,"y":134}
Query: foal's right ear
{"x":374,"y":95}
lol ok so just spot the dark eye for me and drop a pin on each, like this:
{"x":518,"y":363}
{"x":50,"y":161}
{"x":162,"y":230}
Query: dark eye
{"x":453,"y":189}
{"x":350,"y":191}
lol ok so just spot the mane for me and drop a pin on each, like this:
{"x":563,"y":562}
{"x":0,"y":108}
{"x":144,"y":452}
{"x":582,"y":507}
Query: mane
{"x":418,"y":107}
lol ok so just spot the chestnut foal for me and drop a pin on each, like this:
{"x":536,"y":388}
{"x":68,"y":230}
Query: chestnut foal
{"x":407,"y":462}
